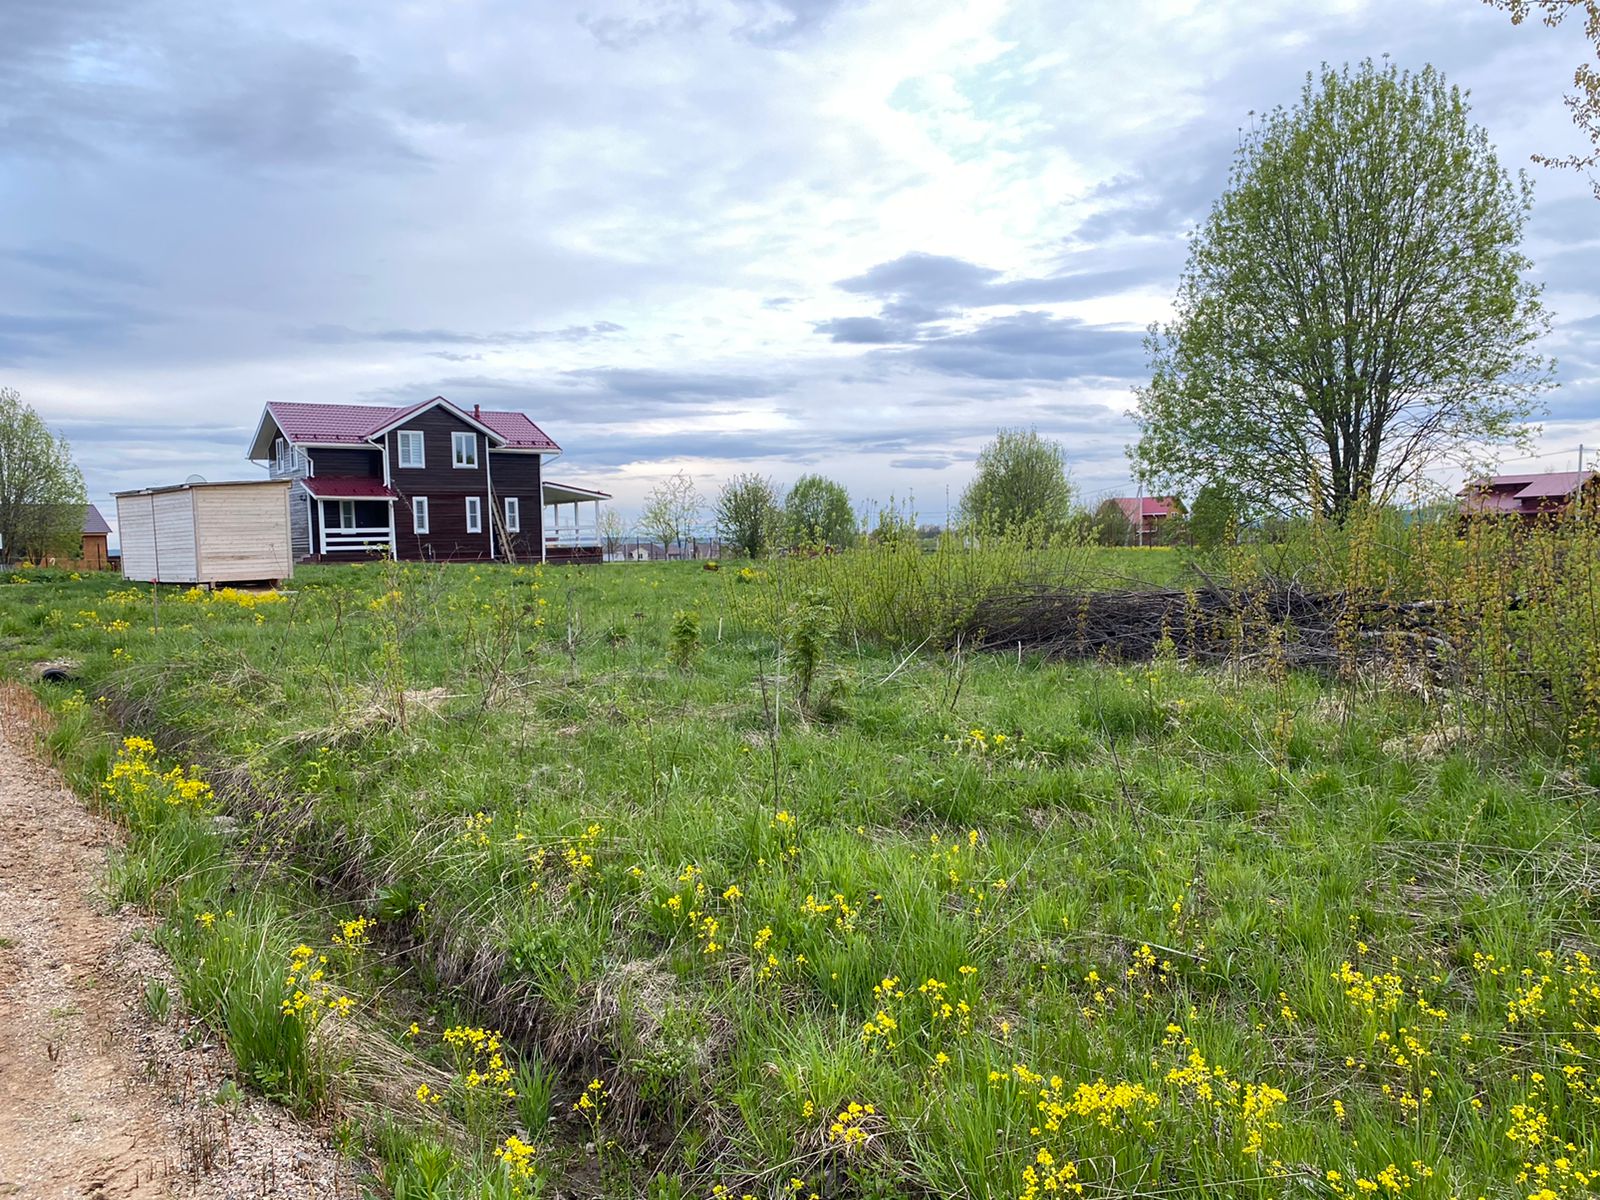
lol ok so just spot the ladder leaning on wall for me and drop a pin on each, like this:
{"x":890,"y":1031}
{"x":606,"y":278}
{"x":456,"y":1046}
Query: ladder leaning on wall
{"x":497,"y":521}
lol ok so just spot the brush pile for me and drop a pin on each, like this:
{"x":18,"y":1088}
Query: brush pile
{"x":1207,"y":623}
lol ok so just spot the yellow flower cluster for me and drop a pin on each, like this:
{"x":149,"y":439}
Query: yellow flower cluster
{"x":136,"y":784}
{"x":591,"y":1105}
{"x":307,"y":993}
{"x":475,"y":828}
{"x":1047,"y":1175}
{"x":1373,"y":995}
{"x":355,"y":933}
{"x":1251,"y":1107}
{"x":852,"y":1126}
{"x":844,"y":916}
{"x":517,"y":1155}
{"x":1390,"y":1182}
{"x":479,"y":1061}
{"x":228,"y":595}
{"x":979,"y":741}
{"x":1120,"y":1105}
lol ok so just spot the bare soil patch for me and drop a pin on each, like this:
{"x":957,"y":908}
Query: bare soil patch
{"x":98,"y":1098}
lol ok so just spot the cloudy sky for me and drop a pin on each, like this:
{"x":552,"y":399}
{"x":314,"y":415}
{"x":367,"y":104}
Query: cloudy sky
{"x":722,"y":235}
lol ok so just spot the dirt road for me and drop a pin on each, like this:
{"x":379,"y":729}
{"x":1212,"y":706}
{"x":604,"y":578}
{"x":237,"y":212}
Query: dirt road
{"x":98,"y":1097}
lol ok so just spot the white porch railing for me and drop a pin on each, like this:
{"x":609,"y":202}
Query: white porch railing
{"x":364,"y":538}
{"x":565,"y":527}
{"x":586,"y":534}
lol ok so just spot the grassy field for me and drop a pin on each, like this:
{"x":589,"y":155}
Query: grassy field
{"x":741,"y":906}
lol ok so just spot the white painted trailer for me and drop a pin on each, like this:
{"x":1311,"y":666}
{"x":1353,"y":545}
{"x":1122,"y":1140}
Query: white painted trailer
{"x":206,"y":533}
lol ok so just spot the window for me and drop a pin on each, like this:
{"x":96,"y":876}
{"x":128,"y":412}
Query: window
{"x":410,"y":444}
{"x":419,"y":514}
{"x":347,"y":514}
{"x":474,"y":515}
{"x":513,"y":515}
{"x":280,"y":453}
{"x":464,"y":449}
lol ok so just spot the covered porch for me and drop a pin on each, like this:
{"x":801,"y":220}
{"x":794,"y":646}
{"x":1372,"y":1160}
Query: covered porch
{"x":572,"y":523}
{"x":351,"y":516}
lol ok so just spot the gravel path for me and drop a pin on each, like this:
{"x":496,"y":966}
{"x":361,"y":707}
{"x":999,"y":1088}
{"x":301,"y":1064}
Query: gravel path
{"x":97,"y":1098}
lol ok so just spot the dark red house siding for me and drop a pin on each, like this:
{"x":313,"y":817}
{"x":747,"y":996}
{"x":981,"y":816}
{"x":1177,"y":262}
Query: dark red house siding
{"x":446,"y":486}
{"x":518,"y":474}
{"x":347,"y":464}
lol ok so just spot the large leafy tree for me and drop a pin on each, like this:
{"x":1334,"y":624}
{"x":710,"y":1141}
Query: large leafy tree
{"x":1021,"y":479}
{"x":1354,"y":309}
{"x":1584,"y":100}
{"x":671,"y":510}
{"x":1212,"y":517}
{"x":817,"y":509}
{"x":42,"y":497}
{"x":749,"y":516}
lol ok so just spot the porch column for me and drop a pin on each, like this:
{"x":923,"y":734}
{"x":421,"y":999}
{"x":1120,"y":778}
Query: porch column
{"x":544,"y":532}
{"x":393,"y":555}
{"x":322,"y":526}
{"x":596,"y":534}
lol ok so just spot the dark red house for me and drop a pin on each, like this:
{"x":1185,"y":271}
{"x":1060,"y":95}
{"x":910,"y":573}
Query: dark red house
{"x":1548,"y":494}
{"x":421,"y":481}
{"x":1146,"y":513}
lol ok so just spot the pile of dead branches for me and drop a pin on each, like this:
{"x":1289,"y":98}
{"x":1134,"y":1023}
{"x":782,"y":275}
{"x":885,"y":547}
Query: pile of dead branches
{"x":1208,"y":623}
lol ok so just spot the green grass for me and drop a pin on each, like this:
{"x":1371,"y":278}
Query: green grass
{"x":965,"y":891}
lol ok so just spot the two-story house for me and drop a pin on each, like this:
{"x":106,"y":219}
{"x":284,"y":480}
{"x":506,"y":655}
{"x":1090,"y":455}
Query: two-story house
{"x":422,"y":481}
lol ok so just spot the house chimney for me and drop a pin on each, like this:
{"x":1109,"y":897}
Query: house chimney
{"x":477,"y":413}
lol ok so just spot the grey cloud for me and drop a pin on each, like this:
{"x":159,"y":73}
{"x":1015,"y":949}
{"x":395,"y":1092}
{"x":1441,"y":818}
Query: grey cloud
{"x":779,"y":22}
{"x":1034,"y":345}
{"x":929,"y":462}
{"x":918,"y":290}
{"x":865,"y":331}
{"x":84,"y":326}
{"x":80,"y":262}
{"x":339,"y":335}
{"x":107,"y":77}
{"x":679,"y":385}
{"x":627,"y":32}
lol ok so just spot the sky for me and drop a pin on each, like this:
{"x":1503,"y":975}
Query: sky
{"x":712,"y":235}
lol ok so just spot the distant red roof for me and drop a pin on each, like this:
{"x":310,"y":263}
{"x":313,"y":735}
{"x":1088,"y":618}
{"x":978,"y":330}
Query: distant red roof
{"x":1135,"y":507}
{"x":1527,"y":494}
{"x":353,"y":424}
{"x":333,"y":487}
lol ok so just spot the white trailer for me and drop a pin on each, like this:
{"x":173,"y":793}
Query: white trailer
{"x":206,"y":533}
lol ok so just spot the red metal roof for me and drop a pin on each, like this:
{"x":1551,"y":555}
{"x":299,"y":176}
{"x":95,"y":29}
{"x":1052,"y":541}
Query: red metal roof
{"x":519,"y":432}
{"x":1134,"y":507}
{"x":353,"y":424}
{"x":335,"y":487}
{"x":1527,"y":487}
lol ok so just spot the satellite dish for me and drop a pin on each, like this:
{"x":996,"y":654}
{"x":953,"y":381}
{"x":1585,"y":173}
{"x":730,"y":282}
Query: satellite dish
{"x":195,"y":479}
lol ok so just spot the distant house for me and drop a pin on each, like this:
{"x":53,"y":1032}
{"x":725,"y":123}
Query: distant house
{"x":1147,"y":513}
{"x":96,"y":554}
{"x":423,"y":481}
{"x":1530,"y":497}
{"x":93,"y":553}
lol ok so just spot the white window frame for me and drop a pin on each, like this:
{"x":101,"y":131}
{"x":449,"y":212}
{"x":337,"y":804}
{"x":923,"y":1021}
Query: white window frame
{"x":513,"y":515}
{"x":402,"y":438}
{"x":474,"y":514}
{"x":419,"y":514}
{"x":464,"y":451}
{"x":280,"y":450}
{"x":347,"y":521}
